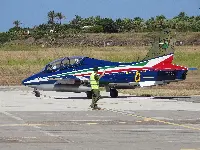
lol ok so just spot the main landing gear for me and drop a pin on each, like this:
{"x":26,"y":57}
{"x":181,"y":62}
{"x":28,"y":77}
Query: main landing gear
{"x":113,"y":93}
{"x":37,"y":93}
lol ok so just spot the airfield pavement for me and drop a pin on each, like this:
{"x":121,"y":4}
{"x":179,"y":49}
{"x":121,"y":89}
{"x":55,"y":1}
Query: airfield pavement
{"x":58,"y":121}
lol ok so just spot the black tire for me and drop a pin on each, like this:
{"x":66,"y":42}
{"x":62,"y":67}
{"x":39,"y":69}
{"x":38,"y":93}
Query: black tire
{"x":37,"y":94}
{"x":113,"y":93}
{"x":89,"y":94}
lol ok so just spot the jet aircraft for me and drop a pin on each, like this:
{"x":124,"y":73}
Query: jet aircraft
{"x":72,"y":74}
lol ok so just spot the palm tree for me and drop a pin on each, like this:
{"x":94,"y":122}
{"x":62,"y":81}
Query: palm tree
{"x":182,"y":16}
{"x":60,"y":16}
{"x":51,"y":17}
{"x":17,"y":23}
{"x":77,"y":21}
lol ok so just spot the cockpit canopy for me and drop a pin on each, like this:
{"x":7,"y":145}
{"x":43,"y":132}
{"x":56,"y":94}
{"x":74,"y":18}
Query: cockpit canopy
{"x":60,"y":64}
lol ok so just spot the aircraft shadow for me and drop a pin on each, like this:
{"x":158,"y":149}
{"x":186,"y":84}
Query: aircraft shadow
{"x":157,"y":97}
{"x":170,"y":97}
{"x":101,"y":97}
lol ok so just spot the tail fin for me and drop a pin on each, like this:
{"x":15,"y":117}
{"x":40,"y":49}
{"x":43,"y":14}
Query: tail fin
{"x":157,"y":49}
{"x":160,"y":61}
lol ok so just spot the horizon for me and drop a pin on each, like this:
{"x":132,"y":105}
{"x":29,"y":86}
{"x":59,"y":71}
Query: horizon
{"x":37,"y":13}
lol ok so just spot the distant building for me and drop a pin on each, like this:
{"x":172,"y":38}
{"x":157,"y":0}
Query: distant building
{"x":86,"y":27}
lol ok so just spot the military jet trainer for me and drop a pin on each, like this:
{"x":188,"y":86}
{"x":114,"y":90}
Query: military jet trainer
{"x":72,"y":74}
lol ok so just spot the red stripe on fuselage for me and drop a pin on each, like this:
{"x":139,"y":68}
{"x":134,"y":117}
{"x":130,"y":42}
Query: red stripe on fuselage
{"x":119,"y":70}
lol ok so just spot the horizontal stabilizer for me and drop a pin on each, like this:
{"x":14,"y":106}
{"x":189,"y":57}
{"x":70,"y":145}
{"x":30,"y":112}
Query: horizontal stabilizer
{"x":192,"y":69}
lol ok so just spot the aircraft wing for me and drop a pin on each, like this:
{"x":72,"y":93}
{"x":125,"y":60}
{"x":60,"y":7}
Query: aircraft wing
{"x":72,"y":84}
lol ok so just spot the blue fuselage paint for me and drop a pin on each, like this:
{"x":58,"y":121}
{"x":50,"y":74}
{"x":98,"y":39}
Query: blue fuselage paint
{"x":50,"y":78}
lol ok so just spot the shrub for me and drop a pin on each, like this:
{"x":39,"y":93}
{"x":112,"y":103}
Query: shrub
{"x":4,"y":37}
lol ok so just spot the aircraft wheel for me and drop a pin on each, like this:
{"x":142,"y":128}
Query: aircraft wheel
{"x":89,"y":94}
{"x":37,"y":93}
{"x":113,"y":93}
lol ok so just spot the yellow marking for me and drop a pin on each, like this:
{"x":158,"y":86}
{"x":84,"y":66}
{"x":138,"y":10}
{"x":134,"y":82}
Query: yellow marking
{"x":138,"y":121}
{"x":189,"y":149}
{"x":14,"y":125}
{"x":138,"y":116}
{"x":156,"y":120}
{"x":91,"y":123}
{"x":147,"y":119}
{"x":137,"y":77}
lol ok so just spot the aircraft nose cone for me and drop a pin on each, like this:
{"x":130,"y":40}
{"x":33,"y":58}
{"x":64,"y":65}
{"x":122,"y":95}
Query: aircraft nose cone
{"x":29,"y":82}
{"x":24,"y":82}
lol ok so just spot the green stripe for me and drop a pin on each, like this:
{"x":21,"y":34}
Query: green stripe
{"x":140,"y":64}
{"x":107,"y":67}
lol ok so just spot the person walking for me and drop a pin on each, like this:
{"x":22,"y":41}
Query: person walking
{"x":94,"y":82}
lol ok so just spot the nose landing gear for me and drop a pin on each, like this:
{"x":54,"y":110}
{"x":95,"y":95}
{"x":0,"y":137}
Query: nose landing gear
{"x":37,"y":93}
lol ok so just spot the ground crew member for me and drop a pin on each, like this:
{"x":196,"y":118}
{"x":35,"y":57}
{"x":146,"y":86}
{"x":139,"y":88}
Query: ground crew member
{"x":165,"y":45}
{"x":94,"y":82}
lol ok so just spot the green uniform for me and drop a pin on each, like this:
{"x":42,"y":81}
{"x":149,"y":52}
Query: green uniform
{"x":94,"y":82}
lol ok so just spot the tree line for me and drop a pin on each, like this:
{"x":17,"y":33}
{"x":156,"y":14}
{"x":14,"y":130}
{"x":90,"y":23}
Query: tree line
{"x":55,"y":27}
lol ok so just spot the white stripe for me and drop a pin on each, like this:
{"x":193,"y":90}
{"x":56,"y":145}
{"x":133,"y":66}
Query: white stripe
{"x":88,"y":120}
{"x":155,"y":61}
{"x":34,"y":126}
{"x":12,"y":116}
{"x":153,"y":129}
{"x":151,"y":63}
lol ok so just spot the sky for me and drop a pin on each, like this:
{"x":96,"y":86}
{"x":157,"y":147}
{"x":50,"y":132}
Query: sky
{"x":34,"y":12}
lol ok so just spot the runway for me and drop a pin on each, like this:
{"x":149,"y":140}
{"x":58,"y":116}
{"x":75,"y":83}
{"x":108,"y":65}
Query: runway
{"x":58,"y":121}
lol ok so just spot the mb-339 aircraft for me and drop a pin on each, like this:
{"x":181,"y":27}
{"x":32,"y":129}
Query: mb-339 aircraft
{"x":72,"y":74}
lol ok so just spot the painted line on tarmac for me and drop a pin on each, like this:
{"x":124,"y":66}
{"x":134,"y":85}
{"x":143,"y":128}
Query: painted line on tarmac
{"x":152,"y":119}
{"x":89,"y":120}
{"x":36,"y":127}
{"x":12,"y":116}
{"x":92,"y":123}
{"x":151,"y":129}
{"x":190,"y":149}
{"x":122,"y":122}
{"x":15,"y":125}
